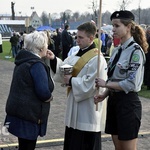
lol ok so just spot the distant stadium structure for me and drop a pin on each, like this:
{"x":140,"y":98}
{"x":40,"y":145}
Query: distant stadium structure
{"x":8,"y":26}
{"x":4,"y":28}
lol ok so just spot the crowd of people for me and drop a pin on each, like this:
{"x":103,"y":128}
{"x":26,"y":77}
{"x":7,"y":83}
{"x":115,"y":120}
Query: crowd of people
{"x":114,"y":91}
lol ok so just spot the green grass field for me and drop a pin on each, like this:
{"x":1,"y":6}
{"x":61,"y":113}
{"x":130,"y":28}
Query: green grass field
{"x":6,"y":52}
{"x":144,"y":92}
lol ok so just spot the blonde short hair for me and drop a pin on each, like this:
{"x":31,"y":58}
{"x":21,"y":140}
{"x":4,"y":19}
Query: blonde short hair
{"x":35,"y":41}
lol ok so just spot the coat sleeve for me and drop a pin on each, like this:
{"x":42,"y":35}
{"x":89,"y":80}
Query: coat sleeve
{"x":83,"y":86}
{"x":40,"y":79}
{"x":58,"y":76}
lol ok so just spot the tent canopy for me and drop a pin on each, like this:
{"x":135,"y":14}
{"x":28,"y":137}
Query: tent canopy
{"x":41,"y":28}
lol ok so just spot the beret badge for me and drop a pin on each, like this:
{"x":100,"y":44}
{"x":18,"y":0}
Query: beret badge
{"x":117,"y":15}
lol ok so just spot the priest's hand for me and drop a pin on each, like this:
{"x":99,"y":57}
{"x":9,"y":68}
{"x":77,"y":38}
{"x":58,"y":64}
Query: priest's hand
{"x":67,"y":79}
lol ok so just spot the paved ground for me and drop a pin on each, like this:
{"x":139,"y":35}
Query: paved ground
{"x":55,"y":132}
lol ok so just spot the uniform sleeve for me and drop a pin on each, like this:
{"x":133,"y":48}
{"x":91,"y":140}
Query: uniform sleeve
{"x":135,"y":73}
{"x":40,"y":79}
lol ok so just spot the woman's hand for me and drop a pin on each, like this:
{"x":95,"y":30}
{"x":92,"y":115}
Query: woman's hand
{"x":100,"y":82}
{"x":50,"y":54}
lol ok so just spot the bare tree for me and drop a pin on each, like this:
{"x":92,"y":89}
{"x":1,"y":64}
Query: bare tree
{"x":65,"y":16}
{"x":55,"y":16}
{"x":139,"y":9}
{"x":12,"y":10}
{"x":63,"y":19}
{"x":75,"y":16}
{"x":94,"y":7}
{"x":106,"y":17}
{"x":45,"y":18}
{"x":124,"y":4}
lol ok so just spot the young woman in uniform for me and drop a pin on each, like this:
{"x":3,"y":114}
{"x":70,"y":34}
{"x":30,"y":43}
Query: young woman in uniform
{"x":125,"y":77}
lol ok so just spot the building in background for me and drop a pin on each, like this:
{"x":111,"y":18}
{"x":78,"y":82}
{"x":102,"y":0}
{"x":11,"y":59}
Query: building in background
{"x":7,"y":25}
{"x":35,"y":20}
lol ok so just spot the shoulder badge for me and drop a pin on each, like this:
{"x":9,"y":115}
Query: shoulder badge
{"x":135,"y":57}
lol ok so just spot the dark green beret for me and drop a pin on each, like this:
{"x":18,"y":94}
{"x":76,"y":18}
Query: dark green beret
{"x":122,"y":14}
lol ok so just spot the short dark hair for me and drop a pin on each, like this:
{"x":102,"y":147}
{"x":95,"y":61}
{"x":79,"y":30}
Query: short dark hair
{"x":66,"y":26}
{"x":88,"y":27}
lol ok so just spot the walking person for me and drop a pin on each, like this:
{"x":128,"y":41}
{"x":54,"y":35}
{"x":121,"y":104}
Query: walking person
{"x":28,"y":103}
{"x":125,"y":77}
{"x":14,"y":44}
{"x":83,"y":123}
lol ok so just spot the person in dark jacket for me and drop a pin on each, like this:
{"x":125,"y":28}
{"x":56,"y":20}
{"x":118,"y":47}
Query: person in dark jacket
{"x":28,"y":103}
{"x":14,"y":42}
{"x":147,"y":64}
{"x":57,"y":42}
{"x":1,"y":42}
{"x":67,"y":42}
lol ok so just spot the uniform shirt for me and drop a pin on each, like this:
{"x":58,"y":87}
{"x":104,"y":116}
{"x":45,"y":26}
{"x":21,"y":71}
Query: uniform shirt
{"x":129,"y":70}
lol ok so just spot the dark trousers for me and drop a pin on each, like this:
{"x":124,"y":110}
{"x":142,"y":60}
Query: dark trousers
{"x":1,"y":49}
{"x":25,"y":144}
{"x":65,"y":52}
{"x":14,"y":51}
{"x":81,"y":140}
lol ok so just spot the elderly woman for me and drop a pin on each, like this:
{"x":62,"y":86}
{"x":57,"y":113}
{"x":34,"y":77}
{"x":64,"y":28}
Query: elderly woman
{"x":28,"y":103}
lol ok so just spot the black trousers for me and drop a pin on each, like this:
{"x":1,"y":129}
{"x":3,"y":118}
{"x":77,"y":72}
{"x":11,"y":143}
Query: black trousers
{"x":25,"y":144}
{"x":81,"y":140}
{"x":1,"y":49}
{"x":65,"y":52}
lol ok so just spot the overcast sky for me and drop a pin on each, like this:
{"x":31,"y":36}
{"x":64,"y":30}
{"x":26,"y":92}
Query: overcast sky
{"x":23,"y":7}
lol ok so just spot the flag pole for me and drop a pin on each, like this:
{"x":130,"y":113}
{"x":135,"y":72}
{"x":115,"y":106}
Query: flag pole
{"x":99,"y":45}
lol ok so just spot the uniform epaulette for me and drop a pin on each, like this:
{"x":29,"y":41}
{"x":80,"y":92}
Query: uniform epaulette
{"x":137,"y":47}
